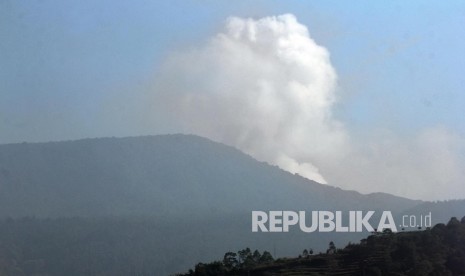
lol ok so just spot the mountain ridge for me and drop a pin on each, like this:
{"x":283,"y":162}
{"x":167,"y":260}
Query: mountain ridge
{"x":153,"y":163}
{"x":200,"y":192}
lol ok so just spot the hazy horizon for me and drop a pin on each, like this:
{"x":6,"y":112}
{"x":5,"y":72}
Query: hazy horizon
{"x":363,"y":96}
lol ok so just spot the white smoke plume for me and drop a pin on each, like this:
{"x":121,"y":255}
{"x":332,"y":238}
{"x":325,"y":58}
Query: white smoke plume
{"x":263,"y":86}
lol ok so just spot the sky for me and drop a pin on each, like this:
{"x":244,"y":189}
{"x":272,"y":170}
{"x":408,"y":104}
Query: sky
{"x":362,"y":95}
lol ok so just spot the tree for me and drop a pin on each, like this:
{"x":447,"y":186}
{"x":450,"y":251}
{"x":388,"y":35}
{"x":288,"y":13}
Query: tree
{"x":256,"y":256}
{"x":245,"y":257}
{"x":331,"y":248}
{"x":387,"y":231}
{"x":230,"y":260}
{"x":243,"y":254}
{"x":305,"y":253}
{"x":453,"y":222}
{"x":266,"y":257}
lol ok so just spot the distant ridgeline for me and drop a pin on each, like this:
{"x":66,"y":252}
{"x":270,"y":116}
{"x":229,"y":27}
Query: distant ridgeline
{"x":436,"y":251}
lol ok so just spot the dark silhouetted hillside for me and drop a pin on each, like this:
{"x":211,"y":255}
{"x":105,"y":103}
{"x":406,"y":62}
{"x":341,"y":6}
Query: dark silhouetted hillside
{"x":198,"y":193}
{"x":158,"y":175}
{"x":436,"y":251}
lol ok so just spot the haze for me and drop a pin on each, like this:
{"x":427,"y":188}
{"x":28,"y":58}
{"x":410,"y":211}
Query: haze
{"x":361,"y":95}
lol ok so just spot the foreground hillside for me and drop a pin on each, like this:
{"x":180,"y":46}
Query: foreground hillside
{"x":436,"y":251}
{"x":116,"y":246}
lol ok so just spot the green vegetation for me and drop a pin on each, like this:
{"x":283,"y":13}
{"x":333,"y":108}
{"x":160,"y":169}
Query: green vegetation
{"x":436,"y":251}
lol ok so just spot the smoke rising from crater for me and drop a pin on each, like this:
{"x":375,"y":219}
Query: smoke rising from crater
{"x":267,"y":88}
{"x":263,"y":86}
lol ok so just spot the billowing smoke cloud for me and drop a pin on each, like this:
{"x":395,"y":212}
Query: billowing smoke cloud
{"x":263,"y":86}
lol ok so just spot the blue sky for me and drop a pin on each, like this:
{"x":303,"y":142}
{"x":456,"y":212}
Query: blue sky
{"x":79,"y":69}
{"x":400,"y":64}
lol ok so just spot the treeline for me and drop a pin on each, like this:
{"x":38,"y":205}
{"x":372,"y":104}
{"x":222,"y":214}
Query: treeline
{"x":232,"y":263}
{"x":436,"y":251}
{"x":116,"y":246}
